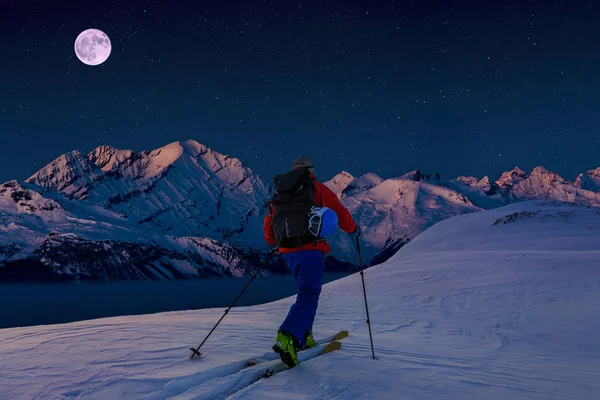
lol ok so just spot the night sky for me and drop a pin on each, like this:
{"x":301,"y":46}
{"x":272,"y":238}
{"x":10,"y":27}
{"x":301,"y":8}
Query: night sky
{"x":462,"y":87}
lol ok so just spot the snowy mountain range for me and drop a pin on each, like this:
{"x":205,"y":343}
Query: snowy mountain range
{"x":185,"y":210}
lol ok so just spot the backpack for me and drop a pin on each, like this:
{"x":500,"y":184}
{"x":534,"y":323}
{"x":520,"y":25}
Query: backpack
{"x":291,"y":204}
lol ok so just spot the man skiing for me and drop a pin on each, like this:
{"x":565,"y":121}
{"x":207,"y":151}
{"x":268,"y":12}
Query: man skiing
{"x":297,"y":217}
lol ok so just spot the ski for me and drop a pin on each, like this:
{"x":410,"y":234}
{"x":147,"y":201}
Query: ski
{"x":329,"y":348}
{"x":239,"y":375}
{"x":267,"y":358}
{"x":273,"y":356}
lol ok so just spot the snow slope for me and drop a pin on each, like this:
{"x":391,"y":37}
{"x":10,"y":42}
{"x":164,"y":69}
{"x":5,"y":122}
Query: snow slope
{"x":500,"y":304}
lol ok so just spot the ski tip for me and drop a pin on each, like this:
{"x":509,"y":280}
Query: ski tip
{"x":340,"y":335}
{"x":333,"y":346}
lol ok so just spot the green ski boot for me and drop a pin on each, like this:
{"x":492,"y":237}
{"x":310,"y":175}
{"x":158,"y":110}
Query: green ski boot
{"x":310,"y":341}
{"x":285,"y":346}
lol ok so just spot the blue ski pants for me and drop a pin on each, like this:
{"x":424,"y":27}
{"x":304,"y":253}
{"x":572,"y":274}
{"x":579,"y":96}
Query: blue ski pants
{"x":307,"y":267}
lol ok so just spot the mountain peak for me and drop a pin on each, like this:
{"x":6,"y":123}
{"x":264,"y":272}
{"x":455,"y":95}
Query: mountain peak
{"x":414,"y":175}
{"x":345,"y":184}
{"x":195,"y":147}
{"x":485,"y":180}
{"x":589,"y":181}
{"x":361,"y":184}
{"x":168,"y":153}
{"x":467,"y":180}
{"x":67,"y":173}
{"x":549,"y":176}
{"x":594,"y":172}
{"x":484,"y":184}
{"x":104,"y":149}
{"x":162,"y":158}
{"x":339,"y":182}
{"x":510,"y":178}
{"x":541,"y":169}
{"x":343,"y":178}
{"x":108,"y":157}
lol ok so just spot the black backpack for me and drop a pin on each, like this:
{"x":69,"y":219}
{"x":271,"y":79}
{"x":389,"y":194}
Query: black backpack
{"x":293,"y":199}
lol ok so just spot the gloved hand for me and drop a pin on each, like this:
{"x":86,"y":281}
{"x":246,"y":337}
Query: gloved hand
{"x":356,"y":234}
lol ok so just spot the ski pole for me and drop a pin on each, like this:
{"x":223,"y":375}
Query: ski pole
{"x":362,"y":275}
{"x":196,"y":351}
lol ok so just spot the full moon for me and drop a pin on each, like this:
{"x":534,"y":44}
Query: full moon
{"x":92,"y":47}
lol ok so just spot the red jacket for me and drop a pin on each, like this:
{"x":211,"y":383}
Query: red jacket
{"x":323,"y":197}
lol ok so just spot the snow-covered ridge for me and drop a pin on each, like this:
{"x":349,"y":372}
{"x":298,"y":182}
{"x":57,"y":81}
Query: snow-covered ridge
{"x":18,"y":198}
{"x":542,"y":184}
{"x":108,"y":158}
{"x":71,"y":174}
{"x":589,"y":181}
{"x":510,"y":178}
{"x":345,"y":185}
{"x":339,"y":182}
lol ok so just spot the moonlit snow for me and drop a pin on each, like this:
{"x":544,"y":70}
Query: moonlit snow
{"x":501,"y":304}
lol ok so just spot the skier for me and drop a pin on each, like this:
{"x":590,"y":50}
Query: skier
{"x":302,"y":212}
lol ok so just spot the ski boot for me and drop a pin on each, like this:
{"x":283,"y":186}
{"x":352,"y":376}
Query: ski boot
{"x":310,"y":341}
{"x":285,"y":346}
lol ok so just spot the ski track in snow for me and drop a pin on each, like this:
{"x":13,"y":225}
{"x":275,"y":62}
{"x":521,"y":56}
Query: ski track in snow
{"x":234,"y":379}
{"x":467,"y":310}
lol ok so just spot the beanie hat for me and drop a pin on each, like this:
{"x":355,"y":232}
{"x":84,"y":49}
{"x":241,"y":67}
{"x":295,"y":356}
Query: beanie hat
{"x":303,"y":162}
